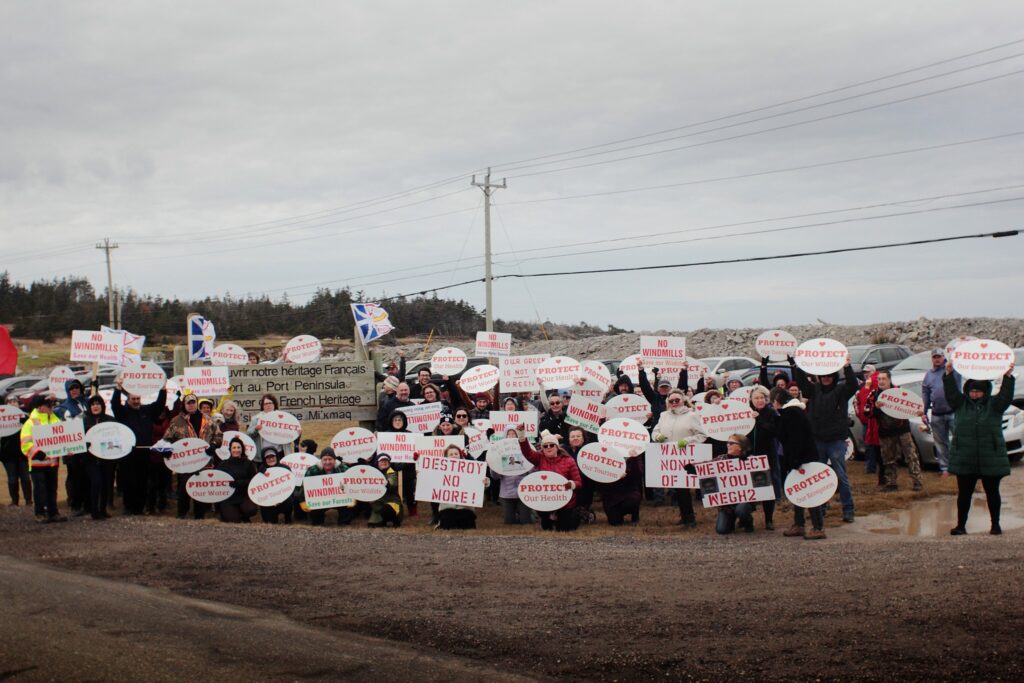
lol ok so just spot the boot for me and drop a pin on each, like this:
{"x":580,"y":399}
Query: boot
{"x":795,"y":531}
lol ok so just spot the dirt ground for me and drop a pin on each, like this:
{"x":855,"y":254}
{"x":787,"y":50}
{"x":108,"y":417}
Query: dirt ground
{"x":599,"y":605}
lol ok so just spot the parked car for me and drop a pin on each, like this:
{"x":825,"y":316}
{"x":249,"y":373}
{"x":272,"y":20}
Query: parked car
{"x":16,"y":383}
{"x":731,"y":364}
{"x":750,"y":376}
{"x":882,"y":356}
{"x":1013,"y":431}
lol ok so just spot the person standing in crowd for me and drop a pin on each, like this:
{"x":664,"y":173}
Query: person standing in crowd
{"x":329,"y":464}
{"x":940,"y":420}
{"x":679,"y":422}
{"x":553,"y":419}
{"x":268,"y":404}
{"x":765,"y":443}
{"x":658,"y":398}
{"x":77,"y":483}
{"x":192,"y":424}
{"x":827,"y":407}
{"x":978,"y":450}
{"x":622,"y":497}
{"x":388,"y":508}
{"x":400,"y":424}
{"x":394,"y":369}
{"x":872,"y":445}
{"x":231,"y":417}
{"x":135,"y":466}
{"x":743,"y":513}
{"x":796,"y":436}
{"x":42,"y":469}
{"x":481,"y":407}
{"x":15,"y":463}
{"x":389,"y":406}
{"x":553,"y":458}
{"x":99,"y":471}
{"x":423,"y":378}
{"x":894,"y":438}
{"x":237,"y":508}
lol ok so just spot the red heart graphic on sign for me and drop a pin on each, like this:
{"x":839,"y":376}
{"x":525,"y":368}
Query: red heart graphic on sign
{"x":699,"y":408}
{"x":558,"y":361}
{"x":544,"y":477}
{"x":603,"y":449}
{"x":775,"y":334}
{"x":801,"y":470}
{"x":210,"y":473}
{"x":984,"y":345}
{"x":904,"y":393}
{"x":625,"y":399}
{"x":822,"y":343}
{"x":351,"y":432}
{"x":724,"y":405}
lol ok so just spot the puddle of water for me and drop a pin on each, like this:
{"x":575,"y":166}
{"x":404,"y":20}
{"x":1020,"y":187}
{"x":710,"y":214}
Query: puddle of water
{"x":936,"y":516}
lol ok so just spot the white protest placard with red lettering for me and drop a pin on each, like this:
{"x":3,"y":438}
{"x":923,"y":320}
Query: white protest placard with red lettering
{"x":602,"y":464}
{"x":278,"y":427}
{"x":423,"y":417}
{"x":365,"y":483}
{"x":110,"y":440}
{"x":249,"y":446}
{"x":584,"y":412}
{"x":105,"y":348}
{"x":722,"y":420}
{"x":399,"y":445}
{"x":60,"y":438}
{"x":188,"y":455}
{"x":668,"y":354}
{"x":900,"y":403}
{"x":631,"y":369}
{"x":694,"y":372}
{"x":506,"y":458}
{"x":353,"y":444}
{"x":10,"y":420}
{"x":545,"y":491}
{"x":143,"y":379}
{"x":271,"y":487}
{"x":210,"y":486}
{"x":596,"y":374}
{"x":493,"y":344}
{"x":207,"y":381}
{"x":957,"y":341}
{"x":734,"y":480}
{"x":504,"y":420}
{"x":482,"y":424}
{"x":627,"y":405}
{"x":812,"y":485}
{"x":448,"y":361}
{"x":326,"y":491}
{"x":450,"y":480}
{"x":519,"y":373}
{"x":476,"y":441}
{"x":741,"y":395}
{"x":229,"y":354}
{"x":560,"y":372}
{"x":665,"y":464}
{"x":56,"y":379}
{"x":434,"y":446}
{"x":299,"y":463}
{"x":302,"y":349}
{"x":821,"y":356}
{"x":982,"y":359}
{"x":629,"y":436}
{"x":775,"y":345}
{"x":478,"y":379}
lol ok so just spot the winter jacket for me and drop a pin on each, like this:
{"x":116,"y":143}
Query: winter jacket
{"x":182,"y":427}
{"x":827,"y":405}
{"x":509,"y":487}
{"x":554,"y":424}
{"x":392,"y":497}
{"x":384,"y":412}
{"x":933,"y":392}
{"x":865,"y":407}
{"x":888,"y":426}
{"x":140,"y":421}
{"x":88,"y":422}
{"x":796,"y":436}
{"x":71,"y":408}
{"x":656,"y":400}
{"x":562,"y":464}
{"x":675,"y":424}
{"x":10,"y":445}
{"x":36,"y":458}
{"x":629,"y":489}
{"x":242,"y":470}
{"x":978,"y":447}
{"x":766,"y":429}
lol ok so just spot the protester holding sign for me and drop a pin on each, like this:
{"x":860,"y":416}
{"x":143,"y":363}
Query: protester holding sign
{"x":978,"y":450}
{"x":452,"y":515}
{"x":585,"y":494}
{"x":553,"y":458}
{"x":796,"y":436}
{"x":42,"y":469}
{"x":765,"y":443}
{"x":100,"y":472}
{"x":77,"y":482}
{"x":388,"y":508}
{"x":553,"y":419}
{"x":622,"y":497}
{"x":432,"y":394}
{"x":270,"y":513}
{"x":680,"y":424}
{"x":865,"y":413}
{"x":743,"y":513}
{"x":268,"y":405}
{"x":15,"y":464}
{"x":657,"y":398}
{"x":390,"y":405}
{"x":237,"y":508}
{"x":134,"y":468}
{"x":230,"y":417}
{"x":329,"y":464}
{"x":192,"y":424}
{"x":514,"y":511}
{"x":827,"y":408}
{"x":400,"y":423}
{"x":894,"y":438}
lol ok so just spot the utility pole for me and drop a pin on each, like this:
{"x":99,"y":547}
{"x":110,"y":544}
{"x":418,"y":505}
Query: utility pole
{"x":107,"y":246}
{"x":488,"y":190}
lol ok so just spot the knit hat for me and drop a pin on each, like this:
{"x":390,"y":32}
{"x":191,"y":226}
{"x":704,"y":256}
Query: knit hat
{"x":391,"y":382}
{"x":328,"y":451}
{"x":548,"y":437}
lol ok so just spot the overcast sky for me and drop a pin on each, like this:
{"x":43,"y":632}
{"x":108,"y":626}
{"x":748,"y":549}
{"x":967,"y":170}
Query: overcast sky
{"x":242,"y":147}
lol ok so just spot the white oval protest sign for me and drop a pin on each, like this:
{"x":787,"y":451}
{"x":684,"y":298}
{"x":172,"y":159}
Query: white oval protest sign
{"x":560,"y":372}
{"x":480,"y":378}
{"x":10,"y":420}
{"x":110,"y":440}
{"x":596,"y":373}
{"x":600,"y":463}
{"x":476,"y":441}
{"x":278,"y":427}
{"x":210,"y":486}
{"x":811,"y":485}
{"x":982,"y":359}
{"x":506,"y":458}
{"x":298,"y":463}
{"x":544,"y":491}
{"x":364,"y":483}
{"x":272,"y":487}
{"x":725,"y":418}
{"x":354,"y":444}
{"x":224,"y":452}
{"x":448,"y":361}
{"x":229,"y":354}
{"x":630,"y":368}
{"x":188,"y":455}
{"x":775,"y":345}
{"x":821,"y":356}
{"x":957,"y":341}
{"x":900,"y":403}
{"x":483,"y":424}
{"x":741,"y":395}
{"x":145,"y":379}
{"x":625,"y":434}
{"x":302,"y":349}
{"x":57,"y":378}
{"x":627,"y":405}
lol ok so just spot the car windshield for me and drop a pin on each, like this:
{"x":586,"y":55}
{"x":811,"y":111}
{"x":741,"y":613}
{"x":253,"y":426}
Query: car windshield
{"x":912,"y":386}
{"x":857,"y":353}
{"x":711,"y":362}
{"x":919,"y":361}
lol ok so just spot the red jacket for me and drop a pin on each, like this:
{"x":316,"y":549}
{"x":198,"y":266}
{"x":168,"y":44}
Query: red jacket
{"x":562,"y":464}
{"x":865,"y":408}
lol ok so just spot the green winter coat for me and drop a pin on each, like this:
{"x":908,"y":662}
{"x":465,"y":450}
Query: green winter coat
{"x":978,"y":447}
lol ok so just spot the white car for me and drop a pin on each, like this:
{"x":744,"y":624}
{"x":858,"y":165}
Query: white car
{"x":734,"y":365}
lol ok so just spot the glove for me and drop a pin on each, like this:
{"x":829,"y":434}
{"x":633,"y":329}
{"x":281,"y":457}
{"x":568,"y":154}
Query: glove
{"x":681,"y":443}
{"x":661,"y":438}
{"x":40,"y":456}
{"x":303,"y":506}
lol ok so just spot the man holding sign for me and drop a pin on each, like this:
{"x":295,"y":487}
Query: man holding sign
{"x":42,"y":469}
{"x":894,"y":435}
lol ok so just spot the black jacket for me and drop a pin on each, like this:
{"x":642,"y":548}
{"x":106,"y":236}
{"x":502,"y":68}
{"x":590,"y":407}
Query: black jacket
{"x":796,"y":437}
{"x":139,"y":421}
{"x":827,"y":406}
{"x":243,"y":470}
{"x":554,"y":424}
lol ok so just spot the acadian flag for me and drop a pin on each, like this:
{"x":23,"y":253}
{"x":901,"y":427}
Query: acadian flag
{"x":131,"y":353}
{"x":201,"y":336}
{"x":372,"y":321}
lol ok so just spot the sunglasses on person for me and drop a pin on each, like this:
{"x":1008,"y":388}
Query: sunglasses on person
{"x":675,"y":400}
{"x":461,"y":416}
{"x":548,"y":445}
{"x":556,"y":403}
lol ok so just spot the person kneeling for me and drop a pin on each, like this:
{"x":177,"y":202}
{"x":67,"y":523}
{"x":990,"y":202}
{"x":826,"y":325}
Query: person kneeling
{"x":387,"y":508}
{"x":328,"y":465}
{"x":450,"y":515}
{"x":728,"y":515}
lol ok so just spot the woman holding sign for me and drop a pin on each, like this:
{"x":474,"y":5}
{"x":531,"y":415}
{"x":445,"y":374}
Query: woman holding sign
{"x":268,"y":404}
{"x":237,"y":508}
{"x":100,"y":472}
{"x":728,"y":515}
{"x":796,"y":436}
{"x":553,"y":458}
{"x":42,"y":469}
{"x":978,"y":450}
{"x":400,"y":423}
{"x":679,"y":423}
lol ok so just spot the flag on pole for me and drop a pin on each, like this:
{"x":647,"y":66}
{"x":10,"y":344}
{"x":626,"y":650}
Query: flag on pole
{"x":8,"y":353}
{"x":372,"y":321}
{"x":131,"y":353}
{"x":201,"y":336}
